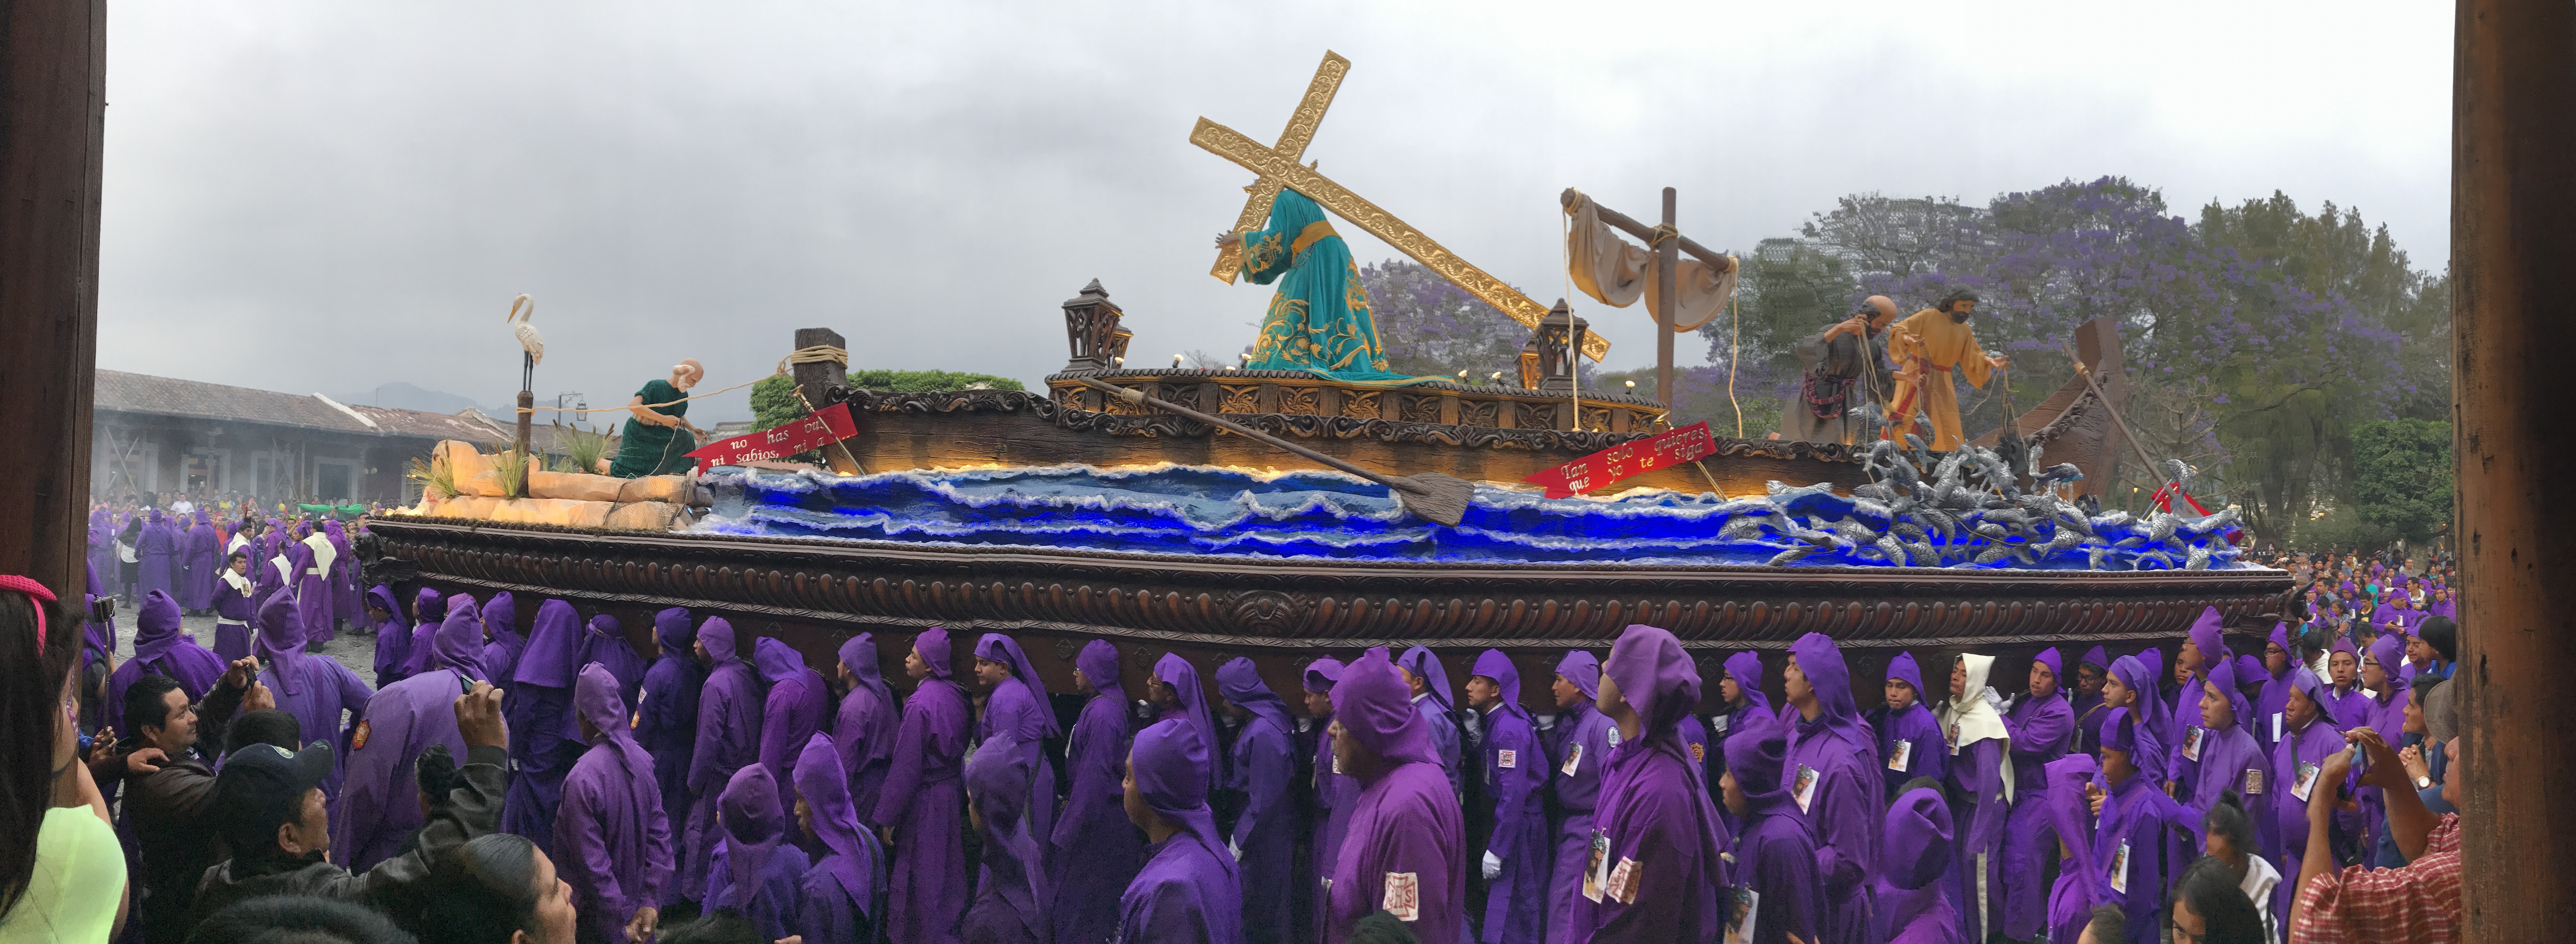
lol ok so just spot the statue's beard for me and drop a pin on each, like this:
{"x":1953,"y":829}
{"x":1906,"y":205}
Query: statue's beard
{"x":1958,"y":317}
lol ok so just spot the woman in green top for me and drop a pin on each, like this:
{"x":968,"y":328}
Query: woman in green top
{"x":658,"y":438}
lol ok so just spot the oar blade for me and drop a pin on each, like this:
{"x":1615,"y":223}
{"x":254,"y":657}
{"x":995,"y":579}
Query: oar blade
{"x":1435,"y":497}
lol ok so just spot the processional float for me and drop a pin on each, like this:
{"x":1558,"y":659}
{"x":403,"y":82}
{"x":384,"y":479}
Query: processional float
{"x":1150,"y":507}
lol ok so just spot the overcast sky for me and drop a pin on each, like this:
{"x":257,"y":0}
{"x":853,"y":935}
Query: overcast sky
{"x":310,"y":196}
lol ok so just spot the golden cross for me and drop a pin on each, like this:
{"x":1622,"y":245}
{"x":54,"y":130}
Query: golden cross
{"x":1292,"y":142}
{"x":1280,"y":168}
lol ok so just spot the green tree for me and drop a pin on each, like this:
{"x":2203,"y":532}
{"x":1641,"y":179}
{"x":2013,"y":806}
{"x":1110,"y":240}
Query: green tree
{"x":2401,"y":472}
{"x":774,"y":401}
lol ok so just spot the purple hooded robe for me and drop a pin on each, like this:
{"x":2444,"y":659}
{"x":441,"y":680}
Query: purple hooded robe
{"x":1583,"y":739}
{"x":603,"y":640}
{"x":1406,"y":849}
{"x":2231,"y":760}
{"x":544,"y":741}
{"x":2070,"y":837}
{"x":1912,"y":732}
{"x":2129,"y":839}
{"x":611,"y":841}
{"x":755,"y":868}
{"x":1514,"y":769}
{"x":1263,"y":771}
{"x":344,"y":573}
{"x":1332,"y":790}
{"x":162,"y":647}
{"x":1182,"y":678}
{"x":1439,"y":709}
{"x":794,"y":711}
{"x":1189,"y":891}
{"x":102,"y":544}
{"x":2042,"y":730}
{"x":863,"y":728}
{"x":1775,"y":852}
{"x":2182,"y":713}
{"x":2088,"y":708}
{"x":379,"y":806}
{"x":157,"y":549}
{"x":1833,"y":751}
{"x":1746,"y":669}
{"x":2151,"y":754}
{"x":835,"y":901}
{"x":728,"y":740}
{"x":312,"y":688}
{"x":1664,"y":856}
{"x":924,"y":802}
{"x":502,"y":642}
{"x":665,"y":722}
{"x":2276,"y":691}
{"x":316,"y":598}
{"x":202,"y":557}
{"x":2301,"y":749}
{"x":1017,"y":710}
{"x":1096,"y":851}
{"x":1011,"y":891}
{"x":1917,"y":853}
{"x":393,"y":637}
{"x":2383,"y":711}
{"x":1981,"y":797}
{"x":427,"y":611}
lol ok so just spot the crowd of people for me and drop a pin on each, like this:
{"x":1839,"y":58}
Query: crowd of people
{"x":544,"y":780}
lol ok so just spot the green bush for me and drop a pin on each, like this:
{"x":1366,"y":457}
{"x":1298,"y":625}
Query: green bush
{"x":773,"y":399}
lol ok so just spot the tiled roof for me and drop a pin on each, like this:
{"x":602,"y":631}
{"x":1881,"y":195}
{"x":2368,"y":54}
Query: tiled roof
{"x":167,"y":396}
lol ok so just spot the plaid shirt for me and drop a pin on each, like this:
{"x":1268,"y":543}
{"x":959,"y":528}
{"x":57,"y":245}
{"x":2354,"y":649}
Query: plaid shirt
{"x":2420,"y":902}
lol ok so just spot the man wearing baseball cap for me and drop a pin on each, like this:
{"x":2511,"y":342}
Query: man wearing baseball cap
{"x":274,"y":819}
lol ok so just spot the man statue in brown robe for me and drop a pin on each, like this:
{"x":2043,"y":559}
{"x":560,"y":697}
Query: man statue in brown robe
{"x":1928,"y":348}
{"x":1841,"y":370}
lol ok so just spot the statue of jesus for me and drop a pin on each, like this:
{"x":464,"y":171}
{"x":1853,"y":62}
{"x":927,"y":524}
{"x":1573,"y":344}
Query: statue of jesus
{"x":1319,"y":320}
{"x":1926,"y":349}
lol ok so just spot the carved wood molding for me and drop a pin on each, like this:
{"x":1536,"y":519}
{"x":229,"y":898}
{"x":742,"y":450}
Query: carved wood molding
{"x":1278,"y":604}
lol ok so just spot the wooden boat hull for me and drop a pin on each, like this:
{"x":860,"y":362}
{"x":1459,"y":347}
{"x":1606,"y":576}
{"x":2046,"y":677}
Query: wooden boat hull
{"x":1284,"y":613}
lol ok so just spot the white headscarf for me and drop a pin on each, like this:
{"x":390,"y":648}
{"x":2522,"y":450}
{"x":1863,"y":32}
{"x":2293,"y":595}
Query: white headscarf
{"x":1969,"y":718}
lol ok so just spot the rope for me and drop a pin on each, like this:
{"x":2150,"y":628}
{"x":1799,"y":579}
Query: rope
{"x":1734,"y":353}
{"x":818,"y":354}
{"x":1661,"y":234}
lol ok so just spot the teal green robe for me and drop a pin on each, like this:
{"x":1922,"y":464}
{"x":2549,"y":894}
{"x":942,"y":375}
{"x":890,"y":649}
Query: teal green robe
{"x":1319,"y":321}
{"x":655,"y":450}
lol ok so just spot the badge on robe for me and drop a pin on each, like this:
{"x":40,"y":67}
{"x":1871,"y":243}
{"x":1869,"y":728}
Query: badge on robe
{"x":1903,"y":757}
{"x":2120,"y":869}
{"x":2191,"y":743}
{"x":1623,"y":881}
{"x":2253,"y":781}
{"x":1596,"y":867}
{"x":358,"y":739}
{"x":1507,"y":759}
{"x":1403,"y":895}
{"x":1573,"y":761}
{"x":2306,"y":781}
{"x":1743,"y":905}
{"x":1803,"y":789}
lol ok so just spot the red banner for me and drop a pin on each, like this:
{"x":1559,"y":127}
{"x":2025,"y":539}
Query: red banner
{"x":820,"y":428}
{"x":1621,"y":461}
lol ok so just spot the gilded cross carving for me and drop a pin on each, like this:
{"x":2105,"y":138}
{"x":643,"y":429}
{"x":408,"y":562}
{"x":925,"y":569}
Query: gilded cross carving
{"x":1292,"y":142}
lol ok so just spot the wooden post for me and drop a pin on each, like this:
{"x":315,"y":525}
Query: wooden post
{"x":814,"y":379}
{"x":2512,"y":195}
{"x":1668,"y":257}
{"x":53,"y":100}
{"x":527,"y":463}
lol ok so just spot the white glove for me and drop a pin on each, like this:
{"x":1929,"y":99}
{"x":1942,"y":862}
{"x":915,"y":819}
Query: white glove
{"x":1235,"y":846}
{"x":1493,"y":866}
{"x":1992,"y":698}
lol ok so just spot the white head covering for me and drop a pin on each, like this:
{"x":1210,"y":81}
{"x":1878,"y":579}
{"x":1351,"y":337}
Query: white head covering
{"x":1968,"y":718}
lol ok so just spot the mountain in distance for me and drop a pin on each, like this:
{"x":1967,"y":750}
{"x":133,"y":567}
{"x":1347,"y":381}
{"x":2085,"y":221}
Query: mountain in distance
{"x":405,"y":396}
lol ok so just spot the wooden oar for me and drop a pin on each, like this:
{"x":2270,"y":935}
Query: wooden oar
{"x":1434,"y":496}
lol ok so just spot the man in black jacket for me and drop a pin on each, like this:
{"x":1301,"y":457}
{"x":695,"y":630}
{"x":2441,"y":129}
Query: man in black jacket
{"x":170,"y":811}
{"x":279,"y":829}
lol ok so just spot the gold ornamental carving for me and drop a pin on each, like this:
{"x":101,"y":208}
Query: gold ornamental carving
{"x":1422,"y":408}
{"x":1273,"y":165}
{"x":1240,"y":399}
{"x":1360,"y":405}
{"x":1297,"y":401}
{"x":1292,"y":142}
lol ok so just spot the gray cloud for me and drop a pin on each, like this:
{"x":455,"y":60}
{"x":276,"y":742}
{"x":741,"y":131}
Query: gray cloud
{"x":311,"y":196}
